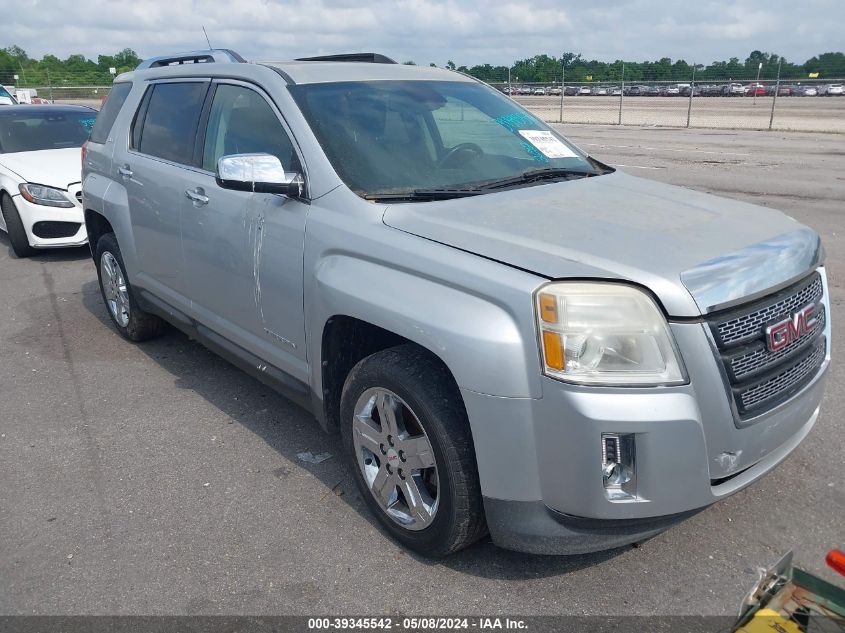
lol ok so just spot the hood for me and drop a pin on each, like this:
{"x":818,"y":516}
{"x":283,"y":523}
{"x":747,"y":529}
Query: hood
{"x":51,"y":167}
{"x":695,"y":251}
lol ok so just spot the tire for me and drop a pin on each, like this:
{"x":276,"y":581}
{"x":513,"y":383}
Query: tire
{"x":133,"y":323}
{"x":441,"y":475}
{"x":14,"y":228}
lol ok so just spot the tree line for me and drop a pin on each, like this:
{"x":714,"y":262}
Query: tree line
{"x":79,"y":70}
{"x":52,"y":71}
{"x":547,"y":69}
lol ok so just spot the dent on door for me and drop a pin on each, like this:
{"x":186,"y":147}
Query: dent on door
{"x":276,"y":233}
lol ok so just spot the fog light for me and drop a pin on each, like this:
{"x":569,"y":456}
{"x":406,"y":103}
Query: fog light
{"x":617,"y":465}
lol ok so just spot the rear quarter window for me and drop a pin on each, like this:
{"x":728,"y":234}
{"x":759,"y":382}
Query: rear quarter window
{"x":110,"y":110}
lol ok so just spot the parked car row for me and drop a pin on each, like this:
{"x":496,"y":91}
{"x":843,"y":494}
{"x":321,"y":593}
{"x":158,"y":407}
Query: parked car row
{"x":732,"y":89}
{"x":9,"y":95}
{"x":761,"y":90}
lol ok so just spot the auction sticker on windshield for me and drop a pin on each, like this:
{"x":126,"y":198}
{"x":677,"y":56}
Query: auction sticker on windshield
{"x":547,"y":143}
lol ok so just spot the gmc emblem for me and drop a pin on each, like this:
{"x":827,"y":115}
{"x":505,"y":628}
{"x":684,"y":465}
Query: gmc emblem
{"x":798,"y":324}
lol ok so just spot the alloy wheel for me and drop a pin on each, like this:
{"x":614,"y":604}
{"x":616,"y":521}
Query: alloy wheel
{"x":396,"y":458}
{"x":114,"y":289}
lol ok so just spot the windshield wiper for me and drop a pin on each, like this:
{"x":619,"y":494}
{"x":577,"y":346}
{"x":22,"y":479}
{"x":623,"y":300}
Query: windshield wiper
{"x":535,"y":175}
{"x":422,"y":195}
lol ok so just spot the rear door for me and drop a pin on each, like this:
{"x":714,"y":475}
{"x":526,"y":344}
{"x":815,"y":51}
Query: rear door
{"x":155,"y":172}
{"x":243,"y":251}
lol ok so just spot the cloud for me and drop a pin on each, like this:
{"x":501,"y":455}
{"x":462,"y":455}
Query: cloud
{"x":468,"y":32}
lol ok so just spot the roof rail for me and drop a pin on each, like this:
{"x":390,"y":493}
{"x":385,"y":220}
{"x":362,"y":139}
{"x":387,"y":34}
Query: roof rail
{"x":209,"y":56}
{"x":368,"y":58}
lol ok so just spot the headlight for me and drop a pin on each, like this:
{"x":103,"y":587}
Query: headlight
{"x":47,"y":196}
{"x":605,"y":334}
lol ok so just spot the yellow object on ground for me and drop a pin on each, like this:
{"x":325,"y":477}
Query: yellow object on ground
{"x":769,"y":621}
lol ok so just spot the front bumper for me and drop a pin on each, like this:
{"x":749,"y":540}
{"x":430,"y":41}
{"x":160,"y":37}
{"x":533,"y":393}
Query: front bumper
{"x":533,"y":527}
{"x":539,"y":460}
{"x":32,"y":213}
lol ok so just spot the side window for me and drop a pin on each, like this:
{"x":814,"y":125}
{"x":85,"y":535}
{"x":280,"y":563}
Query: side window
{"x":242,"y":122}
{"x":170,"y":123}
{"x":108,"y":113}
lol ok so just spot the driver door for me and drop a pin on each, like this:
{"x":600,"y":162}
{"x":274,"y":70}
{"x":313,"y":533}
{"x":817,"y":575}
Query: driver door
{"x":228,"y":237}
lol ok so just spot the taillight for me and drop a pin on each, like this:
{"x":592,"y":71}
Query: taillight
{"x":836,"y":559}
{"x":84,"y":149}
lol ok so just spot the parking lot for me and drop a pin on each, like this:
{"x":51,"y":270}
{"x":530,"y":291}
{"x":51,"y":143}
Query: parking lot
{"x":158,"y":479}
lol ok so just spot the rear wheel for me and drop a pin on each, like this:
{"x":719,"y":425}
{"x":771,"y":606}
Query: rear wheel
{"x":410,"y":448}
{"x":132,"y":322}
{"x":14,"y":228}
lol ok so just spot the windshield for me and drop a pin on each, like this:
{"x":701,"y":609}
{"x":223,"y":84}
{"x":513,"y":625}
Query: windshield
{"x":395,"y":137}
{"x":39,"y":128}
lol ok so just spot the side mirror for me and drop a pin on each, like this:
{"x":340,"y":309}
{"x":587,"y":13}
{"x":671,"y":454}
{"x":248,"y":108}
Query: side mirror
{"x":260,"y":173}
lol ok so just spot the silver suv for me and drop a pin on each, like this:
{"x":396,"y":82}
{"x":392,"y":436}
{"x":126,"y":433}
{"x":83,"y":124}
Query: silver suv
{"x":508,"y":335}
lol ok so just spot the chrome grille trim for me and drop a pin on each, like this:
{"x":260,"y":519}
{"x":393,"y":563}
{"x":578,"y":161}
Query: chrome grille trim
{"x":785,"y":381}
{"x":759,"y":379}
{"x":747,"y":326}
{"x":759,"y":358}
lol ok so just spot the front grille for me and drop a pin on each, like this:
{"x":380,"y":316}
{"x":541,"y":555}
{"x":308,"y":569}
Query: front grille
{"x":79,"y":197}
{"x":736,"y":329}
{"x":755,"y":359}
{"x":785,"y":381}
{"x":759,"y":378}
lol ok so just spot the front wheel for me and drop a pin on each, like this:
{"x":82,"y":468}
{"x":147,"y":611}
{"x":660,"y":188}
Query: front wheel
{"x":410,"y":448}
{"x":132,"y":322}
{"x":14,"y":228}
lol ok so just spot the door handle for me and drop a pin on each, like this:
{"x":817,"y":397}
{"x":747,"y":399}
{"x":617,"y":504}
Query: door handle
{"x":125,"y":171}
{"x":197,"y":196}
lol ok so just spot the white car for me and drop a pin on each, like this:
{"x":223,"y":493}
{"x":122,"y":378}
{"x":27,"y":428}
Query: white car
{"x":832,"y":89}
{"x":40,"y":174}
{"x":541,"y":92}
{"x":6,"y":97}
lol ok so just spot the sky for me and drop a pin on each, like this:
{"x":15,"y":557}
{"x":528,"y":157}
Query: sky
{"x":468,"y":32}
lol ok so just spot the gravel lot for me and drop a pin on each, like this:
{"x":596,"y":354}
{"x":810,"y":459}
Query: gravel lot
{"x":158,"y":479}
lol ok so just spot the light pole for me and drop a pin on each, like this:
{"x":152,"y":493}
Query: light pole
{"x":621,"y":94}
{"x":562,"y":81}
{"x":757,"y":83}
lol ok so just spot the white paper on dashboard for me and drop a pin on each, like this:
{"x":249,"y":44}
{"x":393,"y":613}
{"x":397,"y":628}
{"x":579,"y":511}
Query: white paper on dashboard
{"x":549,"y":145}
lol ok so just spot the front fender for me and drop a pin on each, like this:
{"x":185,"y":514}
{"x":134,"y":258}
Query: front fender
{"x":479,"y":341}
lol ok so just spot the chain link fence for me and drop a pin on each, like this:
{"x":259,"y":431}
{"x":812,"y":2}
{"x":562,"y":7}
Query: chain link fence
{"x":813,"y":105}
{"x":817,"y":106}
